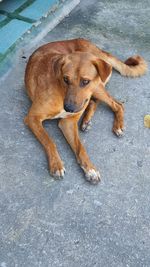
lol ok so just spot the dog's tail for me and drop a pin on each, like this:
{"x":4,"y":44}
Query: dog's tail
{"x":133,"y":67}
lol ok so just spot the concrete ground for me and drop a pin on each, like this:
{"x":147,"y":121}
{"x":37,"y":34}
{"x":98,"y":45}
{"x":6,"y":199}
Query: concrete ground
{"x":71,"y":223}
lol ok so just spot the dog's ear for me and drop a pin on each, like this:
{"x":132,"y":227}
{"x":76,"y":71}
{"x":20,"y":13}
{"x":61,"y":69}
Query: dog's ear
{"x":57,"y":64}
{"x":103,"y":68}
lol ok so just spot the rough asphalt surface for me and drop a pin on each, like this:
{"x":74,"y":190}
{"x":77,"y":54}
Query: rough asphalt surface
{"x":71,"y":223}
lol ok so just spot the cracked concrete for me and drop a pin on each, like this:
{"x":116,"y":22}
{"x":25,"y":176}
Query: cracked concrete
{"x":71,"y":223}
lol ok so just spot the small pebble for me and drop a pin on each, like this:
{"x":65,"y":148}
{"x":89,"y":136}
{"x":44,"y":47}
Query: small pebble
{"x":140,"y":163}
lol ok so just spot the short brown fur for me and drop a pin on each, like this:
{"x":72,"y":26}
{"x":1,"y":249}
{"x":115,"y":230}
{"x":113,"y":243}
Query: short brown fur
{"x":65,"y":80}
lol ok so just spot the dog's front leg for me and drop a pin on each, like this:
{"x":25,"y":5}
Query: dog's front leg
{"x":88,"y":114}
{"x":102,"y":95}
{"x":69,"y":128}
{"x":35,"y":124}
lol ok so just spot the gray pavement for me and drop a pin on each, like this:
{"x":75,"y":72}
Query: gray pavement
{"x":71,"y":223}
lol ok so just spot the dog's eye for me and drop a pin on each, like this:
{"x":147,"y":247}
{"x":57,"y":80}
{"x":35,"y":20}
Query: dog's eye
{"x":84,"y":82}
{"x":66,"y":80}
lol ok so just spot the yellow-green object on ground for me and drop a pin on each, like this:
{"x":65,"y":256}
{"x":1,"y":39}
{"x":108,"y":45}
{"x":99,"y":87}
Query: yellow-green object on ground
{"x":147,"y":121}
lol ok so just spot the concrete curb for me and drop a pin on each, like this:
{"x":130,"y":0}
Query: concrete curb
{"x":37,"y":31}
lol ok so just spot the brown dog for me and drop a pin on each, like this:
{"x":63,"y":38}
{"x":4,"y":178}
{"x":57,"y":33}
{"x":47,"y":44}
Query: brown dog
{"x":66,"y":79}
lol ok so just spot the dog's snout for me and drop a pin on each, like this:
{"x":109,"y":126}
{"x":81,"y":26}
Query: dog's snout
{"x":69,"y":108}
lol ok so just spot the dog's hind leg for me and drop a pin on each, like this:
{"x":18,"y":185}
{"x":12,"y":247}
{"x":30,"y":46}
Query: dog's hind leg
{"x":88,"y":114}
{"x":117,"y":108}
{"x":69,"y":128}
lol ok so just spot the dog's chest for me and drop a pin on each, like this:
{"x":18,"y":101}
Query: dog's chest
{"x":63,"y":114}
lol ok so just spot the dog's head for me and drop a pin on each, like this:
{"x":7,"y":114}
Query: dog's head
{"x":80,"y":73}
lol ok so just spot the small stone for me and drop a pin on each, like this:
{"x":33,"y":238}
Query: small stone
{"x":76,"y":242}
{"x":147,"y":121}
{"x":140,"y":163}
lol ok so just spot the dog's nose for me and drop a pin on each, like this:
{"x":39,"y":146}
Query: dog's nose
{"x":69,"y":108}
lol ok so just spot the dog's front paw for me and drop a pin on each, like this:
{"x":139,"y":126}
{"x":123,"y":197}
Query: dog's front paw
{"x":93,"y":176}
{"x":86,"y":126}
{"x":57,"y":170}
{"x":119,"y":132}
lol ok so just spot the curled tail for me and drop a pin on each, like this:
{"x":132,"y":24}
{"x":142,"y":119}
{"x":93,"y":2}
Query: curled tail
{"x":133,"y":67}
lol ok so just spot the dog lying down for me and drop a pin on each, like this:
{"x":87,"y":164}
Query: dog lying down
{"x":66,"y":79}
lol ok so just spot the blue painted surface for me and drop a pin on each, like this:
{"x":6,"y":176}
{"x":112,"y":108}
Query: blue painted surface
{"x":2,"y":17}
{"x":15,"y":28}
{"x":11,"y":5}
{"x":38,"y":9}
{"x":11,"y":32}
